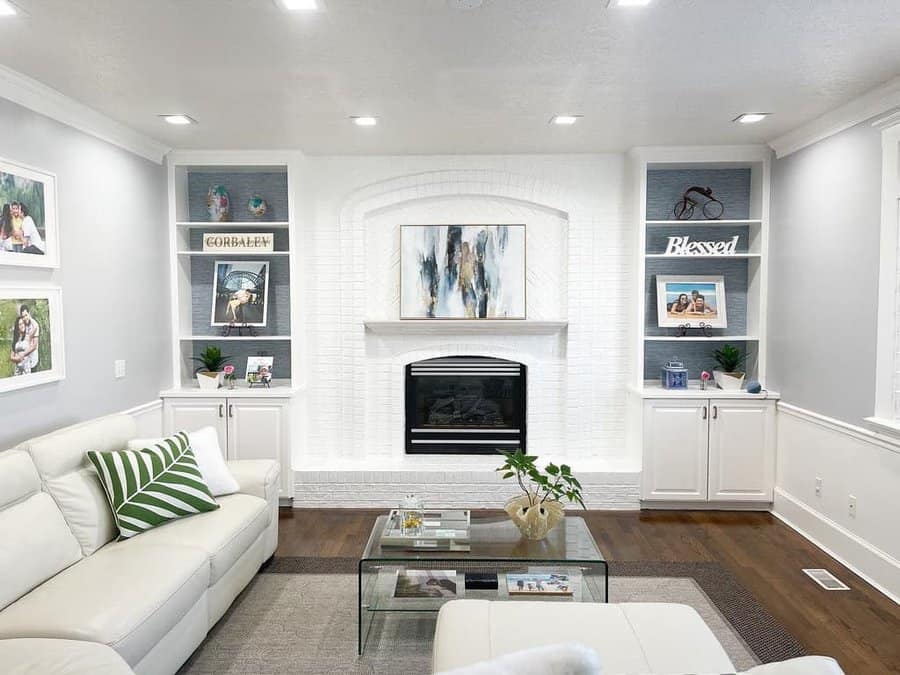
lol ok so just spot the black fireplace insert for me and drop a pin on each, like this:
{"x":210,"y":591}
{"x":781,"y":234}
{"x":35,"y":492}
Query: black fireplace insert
{"x":465,"y":405}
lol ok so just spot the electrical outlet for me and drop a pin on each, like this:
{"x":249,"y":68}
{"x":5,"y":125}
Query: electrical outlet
{"x":120,"y":368}
{"x":851,"y":506}
{"x":818,"y":486}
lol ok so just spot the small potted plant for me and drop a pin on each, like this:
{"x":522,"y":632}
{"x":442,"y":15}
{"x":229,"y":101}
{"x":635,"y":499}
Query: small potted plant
{"x":211,"y":360}
{"x":539,"y":509}
{"x":727,"y":375}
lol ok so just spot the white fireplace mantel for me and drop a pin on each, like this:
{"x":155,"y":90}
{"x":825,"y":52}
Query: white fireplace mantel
{"x":466,"y":327}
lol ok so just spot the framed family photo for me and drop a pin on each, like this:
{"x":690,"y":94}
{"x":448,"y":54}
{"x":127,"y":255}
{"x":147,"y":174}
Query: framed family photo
{"x":692,"y":300}
{"x":240,"y":293}
{"x":31,"y":337}
{"x":462,"y":271}
{"x":28,"y":235}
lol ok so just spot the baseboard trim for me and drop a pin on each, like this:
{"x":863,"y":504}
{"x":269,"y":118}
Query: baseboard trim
{"x":647,"y":505}
{"x":853,"y":552}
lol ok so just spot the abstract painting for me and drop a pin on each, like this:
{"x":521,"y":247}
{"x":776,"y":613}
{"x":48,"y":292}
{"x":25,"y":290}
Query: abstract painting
{"x":462,"y":272}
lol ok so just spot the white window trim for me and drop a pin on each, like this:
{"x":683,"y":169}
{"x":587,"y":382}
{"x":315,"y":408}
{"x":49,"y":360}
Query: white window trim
{"x":886,"y":363}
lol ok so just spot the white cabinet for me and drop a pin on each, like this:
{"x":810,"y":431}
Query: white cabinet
{"x":708,"y":450}
{"x":248,"y":427}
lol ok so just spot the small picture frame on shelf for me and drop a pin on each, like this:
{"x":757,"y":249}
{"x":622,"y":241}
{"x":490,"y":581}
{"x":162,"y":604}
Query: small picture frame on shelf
{"x":259,"y":371}
{"x":240,"y":293}
{"x":688,"y":300}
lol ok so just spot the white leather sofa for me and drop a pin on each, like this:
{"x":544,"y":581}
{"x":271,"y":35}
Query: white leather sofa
{"x":628,"y":638}
{"x":142,"y":604}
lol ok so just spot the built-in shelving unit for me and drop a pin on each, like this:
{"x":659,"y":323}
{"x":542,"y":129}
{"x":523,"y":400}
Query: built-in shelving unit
{"x":739,"y":178}
{"x":244,"y":175}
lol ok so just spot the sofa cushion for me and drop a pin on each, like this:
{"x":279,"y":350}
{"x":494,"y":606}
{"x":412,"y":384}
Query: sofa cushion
{"x":566,"y":659}
{"x":804,"y":665}
{"x":67,"y":475}
{"x":29,"y":656}
{"x":224,"y":535}
{"x":210,"y":459}
{"x":127,"y":595}
{"x":37,"y":544}
{"x":149,"y":487}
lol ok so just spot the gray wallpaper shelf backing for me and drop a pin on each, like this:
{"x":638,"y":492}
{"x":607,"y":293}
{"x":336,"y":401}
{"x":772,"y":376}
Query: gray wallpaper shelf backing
{"x":666,"y":186}
{"x":271,"y":186}
{"x":238,"y":351}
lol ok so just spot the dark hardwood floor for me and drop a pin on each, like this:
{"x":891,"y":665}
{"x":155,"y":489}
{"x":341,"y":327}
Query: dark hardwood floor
{"x":859,"y":627}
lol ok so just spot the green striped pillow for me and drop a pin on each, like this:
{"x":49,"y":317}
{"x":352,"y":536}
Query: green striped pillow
{"x":152,"y":486}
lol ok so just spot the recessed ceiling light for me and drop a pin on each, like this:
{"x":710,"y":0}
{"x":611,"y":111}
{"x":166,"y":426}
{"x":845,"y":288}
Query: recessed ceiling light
{"x":299,"y":5}
{"x":179,"y":119}
{"x":364,"y":120}
{"x":565,"y":120}
{"x":627,"y":3}
{"x":7,"y":8}
{"x":751,"y":118}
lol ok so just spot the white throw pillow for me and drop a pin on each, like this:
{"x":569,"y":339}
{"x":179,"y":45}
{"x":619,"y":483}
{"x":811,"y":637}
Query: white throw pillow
{"x":566,"y":659}
{"x":210,"y":460}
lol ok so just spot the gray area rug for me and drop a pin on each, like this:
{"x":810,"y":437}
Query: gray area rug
{"x":299,"y":616}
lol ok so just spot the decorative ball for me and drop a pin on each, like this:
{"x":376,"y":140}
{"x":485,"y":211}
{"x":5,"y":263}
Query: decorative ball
{"x":257,"y":206}
{"x":754,"y":387}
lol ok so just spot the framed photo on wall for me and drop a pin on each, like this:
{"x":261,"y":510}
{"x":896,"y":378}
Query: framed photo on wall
{"x":691,"y":300}
{"x":462,"y":271}
{"x":31,"y":337}
{"x":240,"y":293}
{"x":28,"y":235}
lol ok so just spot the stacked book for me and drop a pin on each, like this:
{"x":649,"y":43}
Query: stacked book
{"x":445,"y":530}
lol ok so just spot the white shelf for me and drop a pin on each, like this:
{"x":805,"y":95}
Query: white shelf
{"x":231,"y":224}
{"x":216,"y":338}
{"x":279,"y":389}
{"x":731,"y":256}
{"x":234,"y":253}
{"x":466,"y":327}
{"x":701,"y":223}
{"x":701,"y":338}
{"x":653,"y":389}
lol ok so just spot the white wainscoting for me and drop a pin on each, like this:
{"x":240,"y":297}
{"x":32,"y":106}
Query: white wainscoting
{"x":850,"y":460}
{"x":148,"y":417}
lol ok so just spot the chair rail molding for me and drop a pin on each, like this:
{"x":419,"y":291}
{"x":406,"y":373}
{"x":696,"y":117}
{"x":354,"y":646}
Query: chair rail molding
{"x":36,"y":96}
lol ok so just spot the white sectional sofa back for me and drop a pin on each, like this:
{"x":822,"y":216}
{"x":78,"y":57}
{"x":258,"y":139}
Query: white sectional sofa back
{"x":61,"y":461}
{"x":37,"y":542}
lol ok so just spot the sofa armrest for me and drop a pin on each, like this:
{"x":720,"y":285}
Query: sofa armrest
{"x":803,"y":665}
{"x":258,"y":477}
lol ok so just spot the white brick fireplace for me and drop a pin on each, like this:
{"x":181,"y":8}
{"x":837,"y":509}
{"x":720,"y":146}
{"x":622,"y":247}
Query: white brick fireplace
{"x":577,"y":257}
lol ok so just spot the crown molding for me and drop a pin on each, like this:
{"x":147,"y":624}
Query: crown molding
{"x":40,"y":98}
{"x":874,"y":102}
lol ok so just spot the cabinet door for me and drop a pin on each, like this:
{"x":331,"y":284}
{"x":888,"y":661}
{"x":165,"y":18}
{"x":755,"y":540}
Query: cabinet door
{"x":189,"y":414}
{"x":675,"y":450}
{"x":258,"y":429}
{"x":741,"y":450}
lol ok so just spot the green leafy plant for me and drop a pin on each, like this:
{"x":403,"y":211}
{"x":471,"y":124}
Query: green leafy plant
{"x":211,"y":359}
{"x":729,"y":358}
{"x":553,"y":483}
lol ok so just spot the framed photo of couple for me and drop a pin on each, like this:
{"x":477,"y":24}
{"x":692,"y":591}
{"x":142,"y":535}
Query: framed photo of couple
{"x":28,"y":234}
{"x":31,"y":337}
{"x":690,"y":300}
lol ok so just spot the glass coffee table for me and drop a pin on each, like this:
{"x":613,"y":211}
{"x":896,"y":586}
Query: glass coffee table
{"x":497,"y":549}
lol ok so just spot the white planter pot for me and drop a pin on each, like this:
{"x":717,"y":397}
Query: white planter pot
{"x":208,"y":380}
{"x":729,"y":381}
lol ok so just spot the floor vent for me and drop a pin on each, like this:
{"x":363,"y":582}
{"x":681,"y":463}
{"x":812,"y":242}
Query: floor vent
{"x":827,"y":580}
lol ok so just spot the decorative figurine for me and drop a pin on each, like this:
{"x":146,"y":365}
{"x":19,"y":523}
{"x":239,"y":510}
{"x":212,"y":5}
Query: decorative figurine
{"x":218,"y":205}
{"x":712,"y":208}
{"x":257,"y":206}
{"x":704,"y":379}
{"x":674,"y":375}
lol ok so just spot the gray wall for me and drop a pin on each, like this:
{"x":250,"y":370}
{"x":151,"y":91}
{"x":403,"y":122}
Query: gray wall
{"x":113,"y":274}
{"x":823,"y":291}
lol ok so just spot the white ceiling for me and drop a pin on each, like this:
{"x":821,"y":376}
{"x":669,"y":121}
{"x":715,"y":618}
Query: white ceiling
{"x":446,"y":80}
